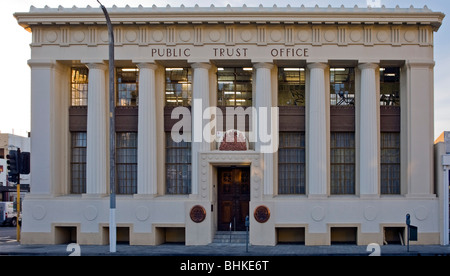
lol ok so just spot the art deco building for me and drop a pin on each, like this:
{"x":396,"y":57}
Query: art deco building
{"x":326,"y":133}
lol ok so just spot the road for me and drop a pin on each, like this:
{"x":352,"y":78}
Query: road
{"x":7,"y":234}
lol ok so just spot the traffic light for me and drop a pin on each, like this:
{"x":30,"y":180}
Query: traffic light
{"x":13,"y":162}
{"x":24,"y":163}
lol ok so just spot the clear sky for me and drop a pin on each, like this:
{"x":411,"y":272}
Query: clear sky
{"x":15,"y":73}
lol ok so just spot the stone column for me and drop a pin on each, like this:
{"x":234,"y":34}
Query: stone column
{"x":368,"y":131}
{"x":97,"y":161}
{"x":147,"y":131}
{"x":263,"y":99}
{"x":417,"y":118}
{"x":43,"y":92}
{"x":200,"y":100}
{"x":317,"y":131}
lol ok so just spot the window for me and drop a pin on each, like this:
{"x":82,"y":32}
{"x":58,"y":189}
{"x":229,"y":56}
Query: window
{"x":127,"y":86}
{"x":342,"y":81}
{"x":291,"y":87}
{"x":234,"y":86}
{"x":342,"y":163}
{"x":178,"y":166}
{"x":291,"y":163}
{"x":390,"y":163}
{"x":178,"y":86}
{"x":78,"y":162}
{"x":2,"y":153}
{"x":79,"y":83}
{"x":390,"y":86}
{"x":126,"y":162}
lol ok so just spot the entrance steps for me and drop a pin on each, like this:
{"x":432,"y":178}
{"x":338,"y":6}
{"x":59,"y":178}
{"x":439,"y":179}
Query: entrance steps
{"x":230,"y":237}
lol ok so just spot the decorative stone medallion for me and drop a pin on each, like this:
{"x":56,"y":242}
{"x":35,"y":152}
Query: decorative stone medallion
{"x":198,"y":214}
{"x":262,"y":214}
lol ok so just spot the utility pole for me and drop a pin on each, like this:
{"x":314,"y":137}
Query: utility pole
{"x":112,"y":137}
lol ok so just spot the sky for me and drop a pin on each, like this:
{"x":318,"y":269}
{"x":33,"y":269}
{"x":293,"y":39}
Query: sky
{"x":15,"y":74}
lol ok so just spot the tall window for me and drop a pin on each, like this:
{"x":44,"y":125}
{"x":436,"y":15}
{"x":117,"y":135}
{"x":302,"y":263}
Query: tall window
{"x":291,"y":163}
{"x":178,"y":166}
{"x":291,"y":86}
{"x":234,"y":86}
{"x":79,"y":84}
{"x":342,"y":163}
{"x":390,"y":163}
{"x":127,"y":86}
{"x":178,"y":86}
{"x":342,"y":81}
{"x":126,"y":162}
{"x":78,"y":163}
{"x":390,"y":86}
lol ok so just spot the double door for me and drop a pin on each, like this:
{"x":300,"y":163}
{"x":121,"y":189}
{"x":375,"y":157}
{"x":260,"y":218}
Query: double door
{"x":233,"y":198}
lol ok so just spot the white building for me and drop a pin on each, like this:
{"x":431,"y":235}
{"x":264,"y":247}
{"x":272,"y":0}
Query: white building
{"x":354,"y":91}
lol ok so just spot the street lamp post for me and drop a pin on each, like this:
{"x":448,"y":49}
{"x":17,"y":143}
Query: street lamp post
{"x":112,"y":140}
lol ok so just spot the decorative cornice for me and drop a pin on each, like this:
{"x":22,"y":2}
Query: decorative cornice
{"x":230,"y":15}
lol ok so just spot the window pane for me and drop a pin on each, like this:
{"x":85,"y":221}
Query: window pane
{"x":178,"y":166}
{"x":291,"y":87}
{"x":234,"y":86}
{"x":126,"y":162}
{"x":390,"y":162}
{"x":390,"y":86}
{"x":178,"y":86}
{"x":291,"y":163}
{"x":79,"y":86}
{"x":78,"y":163}
{"x":342,"y":86}
{"x":342,"y":162}
{"x":127,"y":86}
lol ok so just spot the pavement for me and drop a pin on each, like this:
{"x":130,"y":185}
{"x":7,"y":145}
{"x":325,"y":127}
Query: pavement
{"x":10,"y":247}
{"x":238,"y":250}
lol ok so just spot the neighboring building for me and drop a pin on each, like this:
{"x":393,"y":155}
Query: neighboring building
{"x":442,"y":167}
{"x":7,"y":142}
{"x":352,"y":155}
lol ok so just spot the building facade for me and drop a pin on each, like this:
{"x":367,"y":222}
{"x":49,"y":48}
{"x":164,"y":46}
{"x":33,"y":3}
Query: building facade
{"x":7,"y":142}
{"x":317,"y":123}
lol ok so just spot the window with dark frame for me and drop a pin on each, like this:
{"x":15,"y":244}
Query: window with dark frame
{"x":291,"y":163}
{"x":291,"y":86}
{"x":234,"y":86}
{"x":126,"y":162}
{"x":342,"y":151}
{"x":342,"y":86}
{"x":178,"y":87}
{"x":127,"y":81}
{"x":78,"y":162}
{"x":390,"y":86}
{"x":79,"y":86}
{"x":390,"y":163}
{"x":178,"y":166}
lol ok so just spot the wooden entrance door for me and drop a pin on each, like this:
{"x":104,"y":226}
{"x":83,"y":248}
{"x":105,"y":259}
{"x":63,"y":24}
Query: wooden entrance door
{"x":233,"y":198}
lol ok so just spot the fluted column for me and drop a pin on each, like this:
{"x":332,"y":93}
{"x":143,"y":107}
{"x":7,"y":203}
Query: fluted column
{"x":263,"y":99}
{"x":200,"y":104}
{"x":97,"y":168}
{"x":317,"y":131}
{"x":369,"y":144}
{"x":147,"y":133}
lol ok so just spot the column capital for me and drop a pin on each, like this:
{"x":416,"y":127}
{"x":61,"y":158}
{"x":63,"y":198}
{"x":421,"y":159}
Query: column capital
{"x":41,"y":63}
{"x":147,"y":65}
{"x":368,"y":65}
{"x":201,"y":65}
{"x":96,"y":65}
{"x":266,"y":65}
{"x":317,"y":65}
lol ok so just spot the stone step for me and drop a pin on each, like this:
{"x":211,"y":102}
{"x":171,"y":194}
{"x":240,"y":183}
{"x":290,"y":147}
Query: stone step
{"x":236,"y":237}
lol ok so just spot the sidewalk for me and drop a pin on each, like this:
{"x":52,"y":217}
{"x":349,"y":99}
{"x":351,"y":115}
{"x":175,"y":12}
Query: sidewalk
{"x":15,"y":249}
